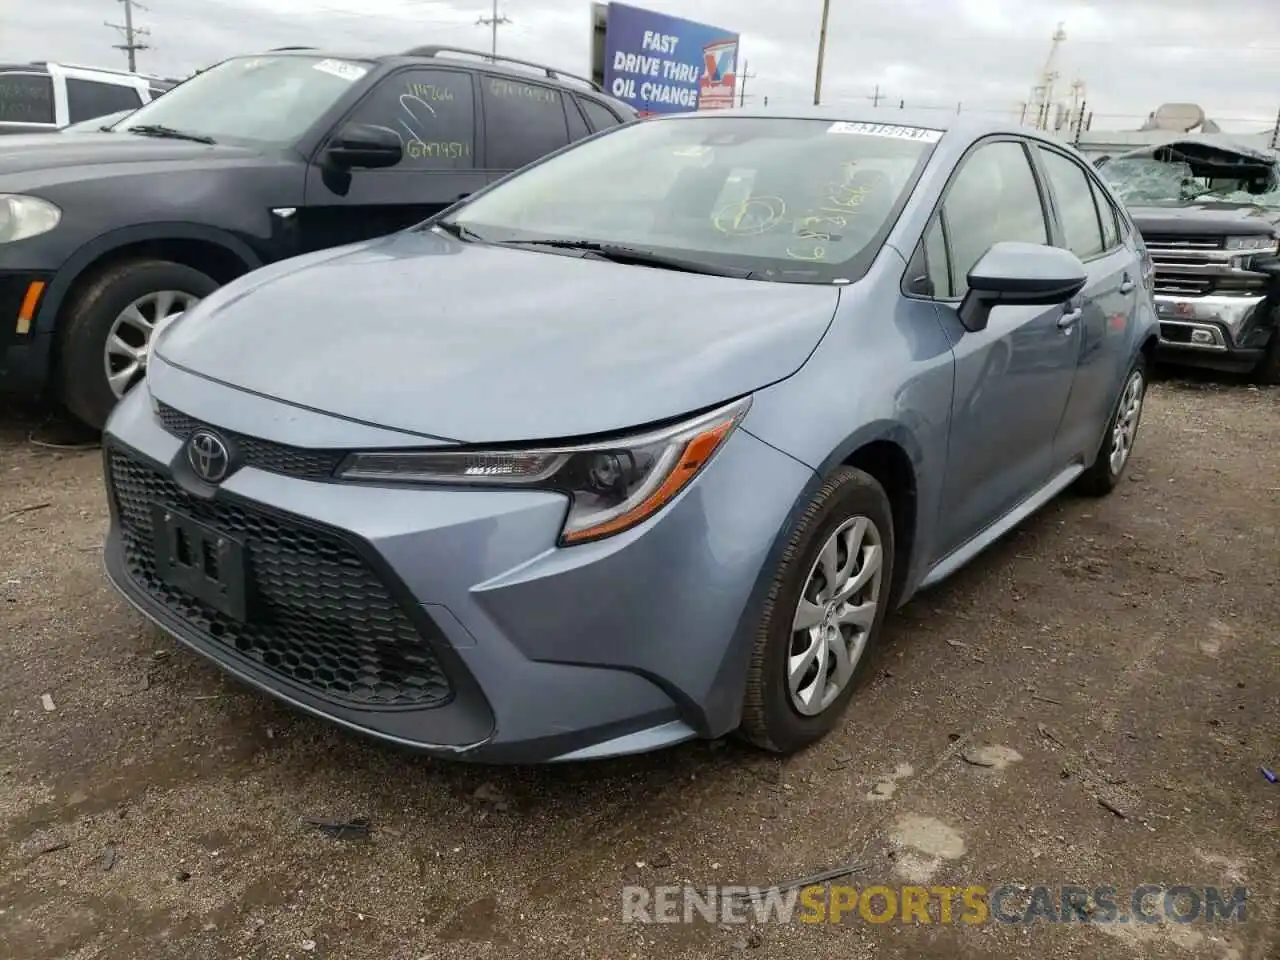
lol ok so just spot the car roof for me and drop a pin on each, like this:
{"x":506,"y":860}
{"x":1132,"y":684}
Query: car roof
{"x":562,"y":79}
{"x":968,"y":126}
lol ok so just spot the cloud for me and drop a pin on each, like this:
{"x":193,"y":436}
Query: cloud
{"x":1132,"y":55}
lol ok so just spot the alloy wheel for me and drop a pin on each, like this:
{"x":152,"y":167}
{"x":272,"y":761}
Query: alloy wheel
{"x":835,"y":614}
{"x":1127,"y":417}
{"x":125,"y":354}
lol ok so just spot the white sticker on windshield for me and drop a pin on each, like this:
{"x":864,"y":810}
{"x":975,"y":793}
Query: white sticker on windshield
{"x":351,"y":72}
{"x":921,"y":134}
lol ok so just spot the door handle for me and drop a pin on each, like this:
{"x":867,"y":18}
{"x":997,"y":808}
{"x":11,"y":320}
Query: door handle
{"x":1070,"y":318}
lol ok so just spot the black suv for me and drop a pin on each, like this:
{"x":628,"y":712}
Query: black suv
{"x":258,"y":158}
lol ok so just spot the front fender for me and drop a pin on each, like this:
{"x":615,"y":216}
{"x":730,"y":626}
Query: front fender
{"x":89,"y":253}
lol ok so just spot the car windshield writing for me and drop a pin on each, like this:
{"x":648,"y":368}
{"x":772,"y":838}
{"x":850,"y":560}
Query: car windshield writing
{"x":261,"y":100}
{"x":786,"y":199}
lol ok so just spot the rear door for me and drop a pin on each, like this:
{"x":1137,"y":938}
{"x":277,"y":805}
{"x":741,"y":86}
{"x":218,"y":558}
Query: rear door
{"x":523,"y":122}
{"x":1088,"y":225}
{"x":1012,"y":378}
{"x":433,"y":112}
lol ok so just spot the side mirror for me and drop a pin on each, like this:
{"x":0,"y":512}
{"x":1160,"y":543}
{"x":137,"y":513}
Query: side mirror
{"x":360,"y":145}
{"x":1020,"y":274}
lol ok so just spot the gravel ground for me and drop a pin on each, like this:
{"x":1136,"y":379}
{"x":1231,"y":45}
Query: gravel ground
{"x":1119,"y":660}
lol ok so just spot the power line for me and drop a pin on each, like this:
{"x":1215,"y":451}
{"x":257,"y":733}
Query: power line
{"x":493,"y":22}
{"x":131,"y":45}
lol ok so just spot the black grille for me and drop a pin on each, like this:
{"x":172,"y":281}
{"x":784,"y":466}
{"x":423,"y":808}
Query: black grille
{"x":263,"y":454}
{"x":1180,"y":241}
{"x":320,"y":616}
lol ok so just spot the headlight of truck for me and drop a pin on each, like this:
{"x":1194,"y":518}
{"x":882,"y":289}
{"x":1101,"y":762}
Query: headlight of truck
{"x":22,"y":217}
{"x":611,"y":486}
{"x":1262,"y":244}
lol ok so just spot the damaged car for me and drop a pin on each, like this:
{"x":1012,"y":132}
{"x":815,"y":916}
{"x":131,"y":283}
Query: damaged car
{"x":1208,"y":209}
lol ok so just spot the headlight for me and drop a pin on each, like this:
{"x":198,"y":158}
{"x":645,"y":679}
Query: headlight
{"x":1252,"y":244}
{"x":612,"y":486}
{"x":22,"y":217}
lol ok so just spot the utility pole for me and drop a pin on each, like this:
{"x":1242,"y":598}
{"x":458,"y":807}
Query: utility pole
{"x":492,"y":22}
{"x":131,"y":46}
{"x":875,"y":96}
{"x":822,"y":52}
{"x":743,"y":77}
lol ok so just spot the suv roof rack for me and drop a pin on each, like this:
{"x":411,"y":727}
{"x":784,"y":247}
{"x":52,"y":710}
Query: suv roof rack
{"x":281,"y":49}
{"x":551,"y":72}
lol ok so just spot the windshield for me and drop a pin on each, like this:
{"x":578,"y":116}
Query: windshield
{"x":791,"y":200}
{"x":1173,"y":182}
{"x":271,"y":100}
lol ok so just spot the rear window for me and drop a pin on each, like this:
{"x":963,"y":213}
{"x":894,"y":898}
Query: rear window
{"x":522,"y":122}
{"x":599,"y":116}
{"x":26,"y":98}
{"x":88,"y":99}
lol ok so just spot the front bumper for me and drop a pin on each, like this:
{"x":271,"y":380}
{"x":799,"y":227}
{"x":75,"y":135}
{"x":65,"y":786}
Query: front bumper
{"x":519,"y":651}
{"x":24,"y":350}
{"x":1214,"y":331}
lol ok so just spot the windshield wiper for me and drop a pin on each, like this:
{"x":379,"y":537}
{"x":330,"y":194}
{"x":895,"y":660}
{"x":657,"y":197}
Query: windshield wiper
{"x":169,"y":133}
{"x":620,"y":253}
{"x":458,"y":230}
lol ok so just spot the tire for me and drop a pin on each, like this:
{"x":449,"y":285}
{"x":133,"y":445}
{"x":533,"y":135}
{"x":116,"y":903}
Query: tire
{"x":771,"y":718}
{"x":1104,"y":473}
{"x":83,"y":384}
{"x":1267,"y":372}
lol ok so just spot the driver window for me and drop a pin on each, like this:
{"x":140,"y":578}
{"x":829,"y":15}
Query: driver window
{"x":433,"y":114}
{"x":993,"y":198}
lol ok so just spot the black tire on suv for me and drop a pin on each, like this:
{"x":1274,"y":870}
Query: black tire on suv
{"x":84,"y":386}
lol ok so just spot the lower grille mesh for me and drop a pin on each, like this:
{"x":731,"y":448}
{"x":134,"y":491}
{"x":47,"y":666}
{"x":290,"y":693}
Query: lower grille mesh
{"x":321,"y":617}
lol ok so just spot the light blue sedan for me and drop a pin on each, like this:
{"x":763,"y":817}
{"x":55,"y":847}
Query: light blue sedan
{"x":639,"y":444}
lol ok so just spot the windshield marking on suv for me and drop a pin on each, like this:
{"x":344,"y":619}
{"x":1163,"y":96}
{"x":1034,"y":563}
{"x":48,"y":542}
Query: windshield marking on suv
{"x":418,"y":146}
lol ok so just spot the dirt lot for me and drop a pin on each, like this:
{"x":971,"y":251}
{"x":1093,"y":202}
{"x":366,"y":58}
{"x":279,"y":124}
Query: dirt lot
{"x":1124,"y":651}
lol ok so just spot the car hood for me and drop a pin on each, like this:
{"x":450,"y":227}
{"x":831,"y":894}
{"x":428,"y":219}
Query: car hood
{"x":42,"y":152}
{"x":473,"y":343}
{"x":1205,"y":216}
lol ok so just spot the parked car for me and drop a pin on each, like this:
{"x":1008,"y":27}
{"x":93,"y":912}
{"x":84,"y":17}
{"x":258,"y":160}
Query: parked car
{"x":44,"y":97}
{"x":1208,"y":208}
{"x":256,"y":159}
{"x":640,"y":444}
{"x":97,"y":124}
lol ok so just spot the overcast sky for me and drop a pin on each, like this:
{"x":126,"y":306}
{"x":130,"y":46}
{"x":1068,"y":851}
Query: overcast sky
{"x":1133,"y":55}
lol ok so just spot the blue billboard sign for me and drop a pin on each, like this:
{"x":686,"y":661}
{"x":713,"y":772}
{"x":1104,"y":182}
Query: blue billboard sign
{"x":662,"y":64}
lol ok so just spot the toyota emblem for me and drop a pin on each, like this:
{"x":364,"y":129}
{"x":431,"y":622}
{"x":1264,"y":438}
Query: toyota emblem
{"x":208,"y":455}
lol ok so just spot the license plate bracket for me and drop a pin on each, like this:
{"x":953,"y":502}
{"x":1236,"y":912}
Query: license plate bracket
{"x":201,"y":561}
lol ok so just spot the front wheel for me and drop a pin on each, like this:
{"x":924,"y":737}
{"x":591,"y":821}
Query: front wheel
{"x":823,"y":613}
{"x":1101,"y":478}
{"x":105,"y":333}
